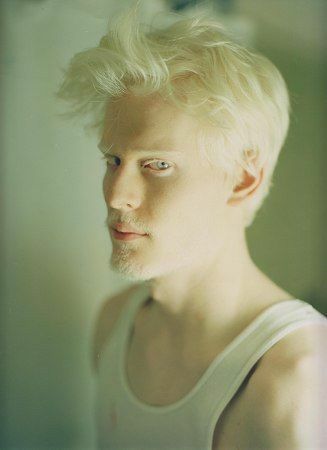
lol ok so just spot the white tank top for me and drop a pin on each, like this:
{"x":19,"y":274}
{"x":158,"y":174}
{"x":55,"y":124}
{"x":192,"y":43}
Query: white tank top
{"x":123,"y":422}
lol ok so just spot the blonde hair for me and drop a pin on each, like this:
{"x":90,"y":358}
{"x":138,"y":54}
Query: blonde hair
{"x":194,"y":63}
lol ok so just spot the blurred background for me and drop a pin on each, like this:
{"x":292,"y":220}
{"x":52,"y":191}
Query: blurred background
{"x":55,"y":247}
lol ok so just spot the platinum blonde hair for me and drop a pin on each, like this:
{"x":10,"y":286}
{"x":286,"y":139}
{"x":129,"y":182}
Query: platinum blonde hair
{"x":239,"y":95}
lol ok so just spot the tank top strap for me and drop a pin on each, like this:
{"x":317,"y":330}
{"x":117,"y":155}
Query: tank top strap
{"x":236,"y":361}
{"x":125,"y":321}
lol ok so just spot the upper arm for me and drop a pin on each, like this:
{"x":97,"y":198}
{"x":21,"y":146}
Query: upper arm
{"x":106,"y":318}
{"x":287,"y":397}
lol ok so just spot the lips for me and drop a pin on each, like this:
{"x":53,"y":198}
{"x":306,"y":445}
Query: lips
{"x":117,"y":235}
{"x":122,"y":228}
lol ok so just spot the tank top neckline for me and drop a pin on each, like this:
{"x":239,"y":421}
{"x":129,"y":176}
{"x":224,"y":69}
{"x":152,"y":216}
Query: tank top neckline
{"x":139,"y":302}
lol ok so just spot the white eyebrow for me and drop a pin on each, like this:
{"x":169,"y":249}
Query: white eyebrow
{"x":105,"y":150}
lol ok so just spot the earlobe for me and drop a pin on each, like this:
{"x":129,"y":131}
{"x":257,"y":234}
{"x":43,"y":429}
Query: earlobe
{"x":246,"y":188}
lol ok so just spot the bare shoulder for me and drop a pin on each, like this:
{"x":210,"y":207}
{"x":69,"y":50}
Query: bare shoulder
{"x":288,"y":390}
{"x":283,"y":404}
{"x":106,"y":318}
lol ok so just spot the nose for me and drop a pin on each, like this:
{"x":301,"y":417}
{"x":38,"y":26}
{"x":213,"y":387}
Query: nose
{"x":122,"y":189}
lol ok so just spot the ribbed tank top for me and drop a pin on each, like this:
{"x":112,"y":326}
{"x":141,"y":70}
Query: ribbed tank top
{"x":123,"y":422}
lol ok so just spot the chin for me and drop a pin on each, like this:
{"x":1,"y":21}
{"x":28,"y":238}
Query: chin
{"x":137,"y":266}
{"x":129,"y":269}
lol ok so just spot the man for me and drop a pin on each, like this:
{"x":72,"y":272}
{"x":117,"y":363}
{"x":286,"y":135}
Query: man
{"x":204,"y":351}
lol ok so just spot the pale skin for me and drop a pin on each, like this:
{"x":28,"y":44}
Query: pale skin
{"x":204,"y":286}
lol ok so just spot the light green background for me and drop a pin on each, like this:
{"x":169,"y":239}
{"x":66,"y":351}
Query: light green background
{"x":55,"y":245}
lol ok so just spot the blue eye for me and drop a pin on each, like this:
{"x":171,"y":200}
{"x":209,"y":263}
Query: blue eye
{"x":162,"y":167}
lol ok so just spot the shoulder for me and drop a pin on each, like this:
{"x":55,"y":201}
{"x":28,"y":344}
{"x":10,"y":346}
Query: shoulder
{"x":285,"y":398}
{"x":106,"y":318}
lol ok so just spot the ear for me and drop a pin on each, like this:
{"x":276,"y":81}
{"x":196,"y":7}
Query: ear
{"x":246,"y":188}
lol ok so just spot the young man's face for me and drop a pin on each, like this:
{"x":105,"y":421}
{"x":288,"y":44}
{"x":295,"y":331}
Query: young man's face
{"x":161,"y":186}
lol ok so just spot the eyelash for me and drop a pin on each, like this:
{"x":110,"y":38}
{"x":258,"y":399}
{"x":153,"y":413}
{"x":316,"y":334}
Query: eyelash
{"x":147,"y":163}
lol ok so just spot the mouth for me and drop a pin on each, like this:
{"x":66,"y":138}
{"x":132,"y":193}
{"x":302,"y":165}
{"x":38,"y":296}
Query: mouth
{"x":126,"y":236}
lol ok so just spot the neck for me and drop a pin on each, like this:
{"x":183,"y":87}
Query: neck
{"x":211,"y":297}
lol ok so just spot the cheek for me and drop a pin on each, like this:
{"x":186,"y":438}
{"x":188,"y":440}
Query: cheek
{"x":161,"y":198}
{"x":105,"y":185}
{"x":192,"y":205}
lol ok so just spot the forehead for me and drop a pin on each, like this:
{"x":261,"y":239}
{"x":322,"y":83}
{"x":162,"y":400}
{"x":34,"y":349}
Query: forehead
{"x":136,"y":120}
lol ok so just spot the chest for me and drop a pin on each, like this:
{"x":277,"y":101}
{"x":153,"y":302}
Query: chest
{"x":161,"y":377}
